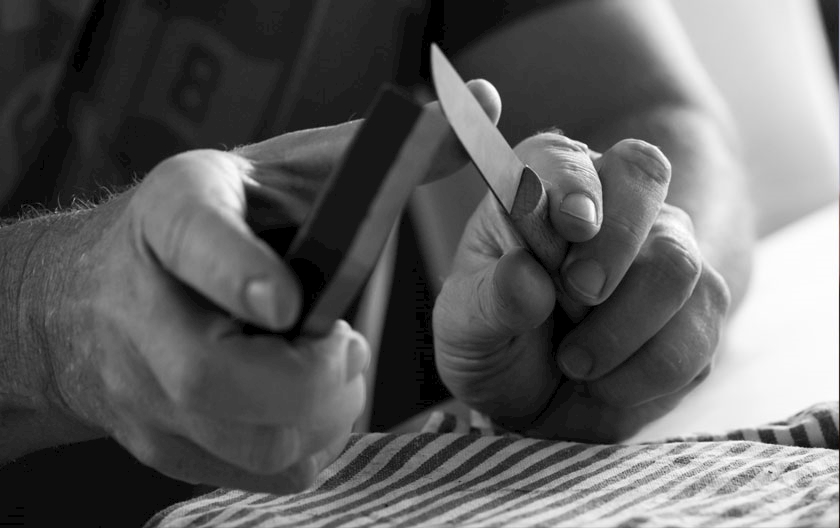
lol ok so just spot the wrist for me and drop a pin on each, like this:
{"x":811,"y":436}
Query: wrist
{"x":43,"y":294}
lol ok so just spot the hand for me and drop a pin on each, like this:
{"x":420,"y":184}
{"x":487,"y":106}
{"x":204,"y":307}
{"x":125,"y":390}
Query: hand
{"x":160,"y":359}
{"x":149,"y":338}
{"x":659,"y":307}
{"x":492,"y":324}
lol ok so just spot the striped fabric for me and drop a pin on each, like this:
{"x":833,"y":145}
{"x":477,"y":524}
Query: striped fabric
{"x":457,"y":474}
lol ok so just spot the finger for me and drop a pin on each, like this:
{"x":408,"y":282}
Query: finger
{"x":493,"y":340}
{"x":575,"y":415}
{"x":562,"y":205}
{"x":484,"y":310}
{"x":258,"y":447}
{"x":260,"y":379}
{"x":570,"y":181}
{"x":674,"y":357}
{"x":266,"y":449}
{"x":191,"y":216}
{"x":634,"y":178}
{"x":451,"y":155}
{"x":179,"y":458}
{"x":654,"y":289}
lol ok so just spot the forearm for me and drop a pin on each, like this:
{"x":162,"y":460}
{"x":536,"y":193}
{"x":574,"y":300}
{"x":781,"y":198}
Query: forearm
{"x":37,"y":259}
{"x":709,"y":180}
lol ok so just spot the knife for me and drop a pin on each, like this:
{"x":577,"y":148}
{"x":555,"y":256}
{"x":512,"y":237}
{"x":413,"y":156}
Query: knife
{"x":516,"y":187}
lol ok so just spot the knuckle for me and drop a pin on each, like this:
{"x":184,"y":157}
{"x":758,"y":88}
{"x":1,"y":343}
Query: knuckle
{"x":199,"y":157}
{"x":147,"y":449}
{"x":174,"y":167}
{"x":629,"y":233}
{"x":148,"y":454}
{"x":187,"y":381}
{"x":612,"y":395}
{"x":649,"y":161}
{"x":551,"y":154}
{"x":187,"y":157}
{"x":717,"y":293}
{"x":557,"y":141}
{"x":676,"y":262}
{"x":679,"y":216}
{"x":324,"y":366}
{"x":178,"y":230}
{"x":177,"y":171}
{"x":669,"y":369}
{"x":540,"y":141}
{"x":610,"y":342}
{"x":301,"y":476}
{"x":270,"y":449}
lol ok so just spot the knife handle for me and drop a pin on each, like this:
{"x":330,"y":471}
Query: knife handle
{"x":353,"y":203}
{"x":530,"y":216}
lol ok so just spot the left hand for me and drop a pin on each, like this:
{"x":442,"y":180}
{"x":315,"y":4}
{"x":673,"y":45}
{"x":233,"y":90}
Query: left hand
{"x":650,"y":338}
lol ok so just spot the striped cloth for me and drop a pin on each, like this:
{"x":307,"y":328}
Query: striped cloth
{"x":459,"y":474}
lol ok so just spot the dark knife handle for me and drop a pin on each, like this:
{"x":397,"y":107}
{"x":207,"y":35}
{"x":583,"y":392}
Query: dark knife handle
{"x":530,"y":217}
{"x":321,"y":250}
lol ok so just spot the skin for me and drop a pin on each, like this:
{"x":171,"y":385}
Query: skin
{"x":129,"y":320}
{"x":623,"y":318}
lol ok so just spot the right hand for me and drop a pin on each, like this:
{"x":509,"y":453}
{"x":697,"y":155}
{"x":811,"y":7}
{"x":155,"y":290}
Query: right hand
{"x":149,"y":341}
{"x":658,"y":308}
{"x":160,"y":358}
{"x":493,"y":324}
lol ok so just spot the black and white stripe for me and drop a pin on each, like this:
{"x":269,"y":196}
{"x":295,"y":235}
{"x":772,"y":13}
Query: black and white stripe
{"x":784,"y":474}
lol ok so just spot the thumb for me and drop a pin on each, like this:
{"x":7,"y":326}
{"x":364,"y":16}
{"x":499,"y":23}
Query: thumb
{"x":190,"y":212}
{"x":486,"y":309}
{"x":488,"y":97}
{"x":451,"y":155}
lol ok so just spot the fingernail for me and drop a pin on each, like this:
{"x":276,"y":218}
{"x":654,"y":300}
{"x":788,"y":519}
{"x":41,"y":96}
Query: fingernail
{"x":580,"y":206}
{"x":358,"y":359}
{"x":575,"y":362}
{"x":262,"y":303}
{"x":587,"y":277}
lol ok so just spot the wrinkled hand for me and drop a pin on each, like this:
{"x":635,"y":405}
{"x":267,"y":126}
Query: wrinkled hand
{"x":657,"y":306}
{"x":151,"y":338}
{"x":161,"y":359}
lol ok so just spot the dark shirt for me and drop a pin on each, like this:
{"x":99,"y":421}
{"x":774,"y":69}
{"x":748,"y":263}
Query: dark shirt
{"x":96,"y":98}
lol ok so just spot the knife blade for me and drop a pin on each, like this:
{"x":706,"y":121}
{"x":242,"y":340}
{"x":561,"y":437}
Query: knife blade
{"x":495,"y":160}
